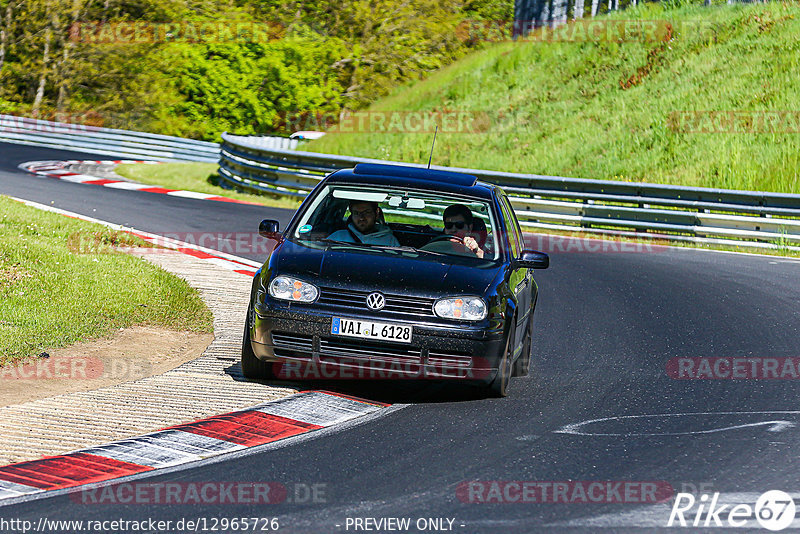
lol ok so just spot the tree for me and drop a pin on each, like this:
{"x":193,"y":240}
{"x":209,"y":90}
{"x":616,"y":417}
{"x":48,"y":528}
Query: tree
{"x":63,"y":73}
{"x":5,"y":35}
{"x":577,"y":11}
{"x":393,"y":41}
{"x":333,"y":55}
{"x":37,"y":101}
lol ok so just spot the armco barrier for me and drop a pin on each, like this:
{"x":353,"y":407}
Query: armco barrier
{"x":121,"y":143}
{"x":270,"y":165}
{"x":745,"y":218}
{"x":107,"y":141}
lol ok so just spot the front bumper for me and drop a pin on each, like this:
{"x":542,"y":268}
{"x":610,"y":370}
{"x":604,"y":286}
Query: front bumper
{"x":301,"y":345}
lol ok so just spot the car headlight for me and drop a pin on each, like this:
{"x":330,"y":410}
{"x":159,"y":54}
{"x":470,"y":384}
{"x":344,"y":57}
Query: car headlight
{"x":462,"y":308}
{"x":288,"y":288}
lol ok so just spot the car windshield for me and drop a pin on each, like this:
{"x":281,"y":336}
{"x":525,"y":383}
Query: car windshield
{"x":390,"y":219}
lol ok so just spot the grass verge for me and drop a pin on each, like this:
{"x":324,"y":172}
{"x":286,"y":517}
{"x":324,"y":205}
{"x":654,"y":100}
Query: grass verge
{"x":55,"y":291}
{"x":618,"y":110}
{"x":199,"y":177}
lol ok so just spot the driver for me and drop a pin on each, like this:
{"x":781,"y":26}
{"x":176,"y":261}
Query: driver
{"x":364,"y":226}
{"x":458,"y":223}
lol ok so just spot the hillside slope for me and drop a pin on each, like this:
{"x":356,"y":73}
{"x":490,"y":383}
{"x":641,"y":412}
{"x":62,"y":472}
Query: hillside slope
{"x":622,"y":110}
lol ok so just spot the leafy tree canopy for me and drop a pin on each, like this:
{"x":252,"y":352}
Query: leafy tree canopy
{"x":196,"y":68}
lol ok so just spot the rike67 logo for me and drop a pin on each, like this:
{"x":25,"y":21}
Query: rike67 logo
{"x":774,"y":510}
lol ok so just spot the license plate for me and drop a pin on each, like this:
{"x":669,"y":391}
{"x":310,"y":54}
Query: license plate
{"x":371,"y":330}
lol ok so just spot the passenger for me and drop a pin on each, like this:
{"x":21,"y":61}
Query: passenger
{"x":363,"y":226}
{"x":460,"y":224}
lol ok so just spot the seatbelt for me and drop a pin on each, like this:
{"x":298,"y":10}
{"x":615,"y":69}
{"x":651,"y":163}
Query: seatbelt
{"x":355,"y":236}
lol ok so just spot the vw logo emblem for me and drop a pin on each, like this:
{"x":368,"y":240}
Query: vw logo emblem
{"x":375,"y":301}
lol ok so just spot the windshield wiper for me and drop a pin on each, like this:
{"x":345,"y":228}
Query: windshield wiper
{"x":431,"y":252}
{"x":326,"y":240}
{"x":368,"y":245}
{"x":392,"y":247}
{"x":374,"y":246}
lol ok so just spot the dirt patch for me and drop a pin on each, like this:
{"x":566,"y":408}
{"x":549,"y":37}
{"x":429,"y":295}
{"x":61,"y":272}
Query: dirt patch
{"x":130,"y":354}
{"x":12,"y":274}
{"x":655,"y":58}
{"x":105,"y":241}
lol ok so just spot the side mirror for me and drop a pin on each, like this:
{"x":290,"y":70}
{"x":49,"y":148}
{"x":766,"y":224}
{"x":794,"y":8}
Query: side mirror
{"x":269,"y":228}
{"x":531,"y":259}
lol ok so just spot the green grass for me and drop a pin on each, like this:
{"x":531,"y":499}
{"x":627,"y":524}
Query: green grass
{"x":199,"y":177}
{"x":62,"y":282}
{"x":561,"y":109}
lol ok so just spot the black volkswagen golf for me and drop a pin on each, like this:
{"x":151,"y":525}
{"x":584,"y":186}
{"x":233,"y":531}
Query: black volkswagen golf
{"x":389,"y":272}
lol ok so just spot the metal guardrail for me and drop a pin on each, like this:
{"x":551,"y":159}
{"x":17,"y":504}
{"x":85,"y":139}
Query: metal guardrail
{"x":107,"y":141}
{"x":551,"y":202}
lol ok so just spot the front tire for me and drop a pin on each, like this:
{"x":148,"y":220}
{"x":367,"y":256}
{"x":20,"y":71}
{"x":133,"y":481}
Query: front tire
{"x":252,"y":367}
{"x":523,"y":363}
{"x":499,"y":386}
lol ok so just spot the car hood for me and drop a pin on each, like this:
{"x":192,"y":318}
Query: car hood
{"x":393,"y":271}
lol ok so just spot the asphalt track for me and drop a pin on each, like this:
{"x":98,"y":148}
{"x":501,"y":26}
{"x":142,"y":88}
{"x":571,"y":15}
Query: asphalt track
{"x":606,"y":326}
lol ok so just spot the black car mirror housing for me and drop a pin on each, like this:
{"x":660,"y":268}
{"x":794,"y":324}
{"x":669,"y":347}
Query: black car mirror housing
{"x":270,"y":229}
{"x":531,"y":259}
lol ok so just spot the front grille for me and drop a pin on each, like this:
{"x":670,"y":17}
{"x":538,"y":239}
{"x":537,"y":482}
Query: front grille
{"x":296,"y":346}
{"x":394,"y":303}
{"x":359,"y":351}
{"x":449,"y":359}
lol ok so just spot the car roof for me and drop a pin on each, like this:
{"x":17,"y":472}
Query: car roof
{"x":414,"y":178}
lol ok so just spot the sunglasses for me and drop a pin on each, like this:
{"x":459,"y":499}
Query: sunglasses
{"x":363,"y":213}
{"x":458,"y":224}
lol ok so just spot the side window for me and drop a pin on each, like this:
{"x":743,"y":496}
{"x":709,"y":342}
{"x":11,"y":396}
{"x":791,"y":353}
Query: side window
{"x":515,"y":224}
{"x":511,"y":227}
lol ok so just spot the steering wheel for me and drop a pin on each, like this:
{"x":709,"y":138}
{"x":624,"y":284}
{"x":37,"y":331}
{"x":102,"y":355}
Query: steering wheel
{"x":458,"y":241}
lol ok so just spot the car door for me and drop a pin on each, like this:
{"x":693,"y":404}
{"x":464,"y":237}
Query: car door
{"x":520,"y":279}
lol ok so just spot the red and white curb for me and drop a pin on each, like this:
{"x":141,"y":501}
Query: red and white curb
{"x":223,"y":259}
{"x":227,"y":261}
{"x":175,"y":446}
{"x":182,"y":444}
{"x":59,"y":170}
